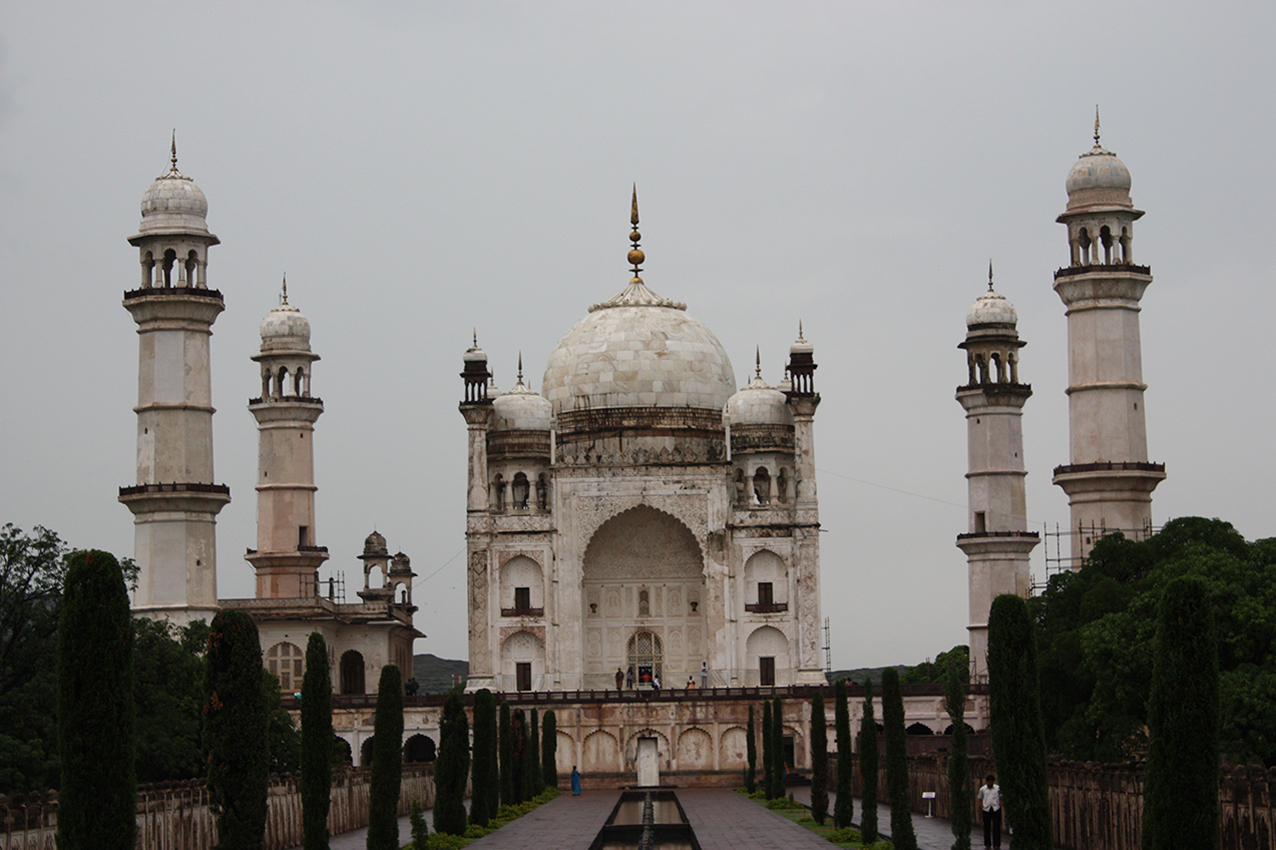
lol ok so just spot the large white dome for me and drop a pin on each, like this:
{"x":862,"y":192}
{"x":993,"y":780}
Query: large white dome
{"x":174,"y":203}
{"x":638,"y":350}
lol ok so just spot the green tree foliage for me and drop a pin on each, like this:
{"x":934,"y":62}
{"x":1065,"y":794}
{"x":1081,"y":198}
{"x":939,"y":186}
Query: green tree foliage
{"x":32,"y":568}
{"x":536,"y":781}
{"x":316,"y":745}
{"x":844,"y":806}
{"x":234,"y":731}
{"x":819,"y":760}
{"x":936,"y":672}
{"x":1018,"y":737}
{"x":1180,"y":786}
{"x":452,"y":768}
{"x":484,"y":804}
{"x":168,"y":668}
{"x":1097,"y":630}
{"x":549,"y":749}
{"x":751,"y":768}
{"x":868,"y":767}
{"x":506,"y":744}
{"x":768,"y":763}
{"x":961,"y":798}
{"x":897,"y":762}
{"x":778,"y":766}
{"x":387,"y":762}
{"x":282,"y":736}
{"x":97,"y":804}
{"x":518,"y":757}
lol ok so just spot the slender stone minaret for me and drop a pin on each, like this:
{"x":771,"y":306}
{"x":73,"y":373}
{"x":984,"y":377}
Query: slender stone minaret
{"x":803,"y":400}
{"x":998,"y":543}
{"x":286,"y":558}
{"x":1109,"y":481}
{"x":476,"y":407}
{"x":175,"y":502}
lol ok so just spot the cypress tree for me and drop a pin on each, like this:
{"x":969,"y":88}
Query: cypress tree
{"x":506,"y":744}
{"x":777,"y":750}
{"x":844,"y":806}
{"x":549,"y":749}
{"x":387,"y":762}
{"x":868,"y":767}
{"x":316,"y":745}
{"x":451,"y":769}
{"x":768,"y":766}
{"x":235,"y":738}
{"x":961,"y":802}
{"x":1180,"y":785}
{"x":819,"y":760}
{"x":518,"y":762}
{"x":484,"y":752}
{"x":536,"y":779}
{"x":897,"y":761}
{"x":97,"y":802}
{"x":1018,"y":734}
{"x":751,"y":770}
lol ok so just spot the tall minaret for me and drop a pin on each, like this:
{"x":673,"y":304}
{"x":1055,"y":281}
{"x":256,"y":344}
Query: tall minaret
{"x":803,"y":400}
{"x":286,"y":558}
{"x":175,"y":502}
{"x":1109,"y":481}
{"x":998,"y":543}
{"x":476,"y":407}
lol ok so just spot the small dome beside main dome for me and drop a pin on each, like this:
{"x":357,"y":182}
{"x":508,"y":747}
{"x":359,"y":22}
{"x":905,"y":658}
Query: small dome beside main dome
{"x":758,"y":404}
{"x":1098,"y":177}
{"x":991,"y":308}
{"x":520,"y":409}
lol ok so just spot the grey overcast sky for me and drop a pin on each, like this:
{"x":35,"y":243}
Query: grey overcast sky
{"x":421,"y":169}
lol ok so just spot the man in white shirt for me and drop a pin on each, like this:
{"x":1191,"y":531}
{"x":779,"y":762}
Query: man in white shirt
{"x":990,"y":800}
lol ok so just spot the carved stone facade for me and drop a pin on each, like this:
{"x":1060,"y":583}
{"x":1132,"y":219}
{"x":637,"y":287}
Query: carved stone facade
{"x":639,"y":514}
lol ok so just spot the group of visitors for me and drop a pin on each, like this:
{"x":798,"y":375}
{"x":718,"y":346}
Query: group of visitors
{"x":625,"y":680}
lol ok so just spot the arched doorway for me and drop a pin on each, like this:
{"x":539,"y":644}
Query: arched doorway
{"x":419,"y":748}
{"x":646,"y":657}
{"x":352,"y":672}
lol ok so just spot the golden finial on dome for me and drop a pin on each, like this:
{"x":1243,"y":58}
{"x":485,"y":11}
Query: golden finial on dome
{"x":476,"y":337}
{"x":636,"y":256}
{"x":285,"y":293}
{"x":757,"y":361}
{"x":520,"y":367}
{"x":800,"y":337}
{"x":174,"y":150}
{"x":1096,"y":125}
{"x":990,"y":275}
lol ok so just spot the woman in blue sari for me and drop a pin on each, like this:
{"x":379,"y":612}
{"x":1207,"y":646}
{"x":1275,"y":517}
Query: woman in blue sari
{"x":575,"y":781}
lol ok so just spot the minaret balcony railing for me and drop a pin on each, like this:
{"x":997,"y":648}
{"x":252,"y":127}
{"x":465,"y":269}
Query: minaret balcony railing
{"x":522,"y":612}
{"x":287,"y":399}
{"x":766,"y":607}
{"x":1069,"y":271}
{"x":185,"y":291}
{"x":977,"y":534}
{"x":1110,"y":466}
{"x":175,"y":488}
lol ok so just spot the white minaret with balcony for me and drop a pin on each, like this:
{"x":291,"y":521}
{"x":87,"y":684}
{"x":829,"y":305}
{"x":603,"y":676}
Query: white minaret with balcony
{"x":174,"y":502}
{"x":286,"y":558}
{"x":1108,"y":479}
{"x":998,"y":544}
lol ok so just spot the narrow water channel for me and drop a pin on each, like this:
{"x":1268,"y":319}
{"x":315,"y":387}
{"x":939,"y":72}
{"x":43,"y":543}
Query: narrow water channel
{"x":646,"y":820}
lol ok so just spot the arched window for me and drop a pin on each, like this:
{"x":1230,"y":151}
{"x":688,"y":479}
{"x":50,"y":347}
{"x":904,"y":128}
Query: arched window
{"x":519,"y":492}
{"x":352,"y":673}
{"x":419,"y":748}
{"x":644,"y":603}
{"x":762,"y":486}
{"x":191,"y":265}
{"x":287,"y":662}
{"x":646,"y":657}
{"x":170,"y":257}
{"x":281,"y":381}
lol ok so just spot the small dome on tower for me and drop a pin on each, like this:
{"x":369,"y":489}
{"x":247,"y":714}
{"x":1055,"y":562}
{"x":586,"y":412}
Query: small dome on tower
{"x":173,"y":203}
{"x":758,"y":404}
{"x":285,"y":328}
{"x":991,"y":308}
{"x":375,"y":545}
{"x":800,"y":345}
{"x":1098,"y":177}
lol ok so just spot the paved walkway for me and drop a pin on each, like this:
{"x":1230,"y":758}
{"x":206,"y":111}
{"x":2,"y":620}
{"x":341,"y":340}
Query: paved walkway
{"x":721,"y":818}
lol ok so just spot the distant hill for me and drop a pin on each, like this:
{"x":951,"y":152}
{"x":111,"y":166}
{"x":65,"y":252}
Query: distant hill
{"x":434,"y":674}
{"x":859,"y":674}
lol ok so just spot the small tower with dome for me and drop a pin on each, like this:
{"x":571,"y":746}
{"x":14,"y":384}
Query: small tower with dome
{"x":1108,"y":478}
{"x":638,"y":514}
{"x":175,"y":501}
{"x":286,"y":559}
{"x":998,"y":543}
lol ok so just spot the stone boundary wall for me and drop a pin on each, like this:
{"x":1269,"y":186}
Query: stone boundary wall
{"x":176,"y":816}
{"x":1101,"y":805}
